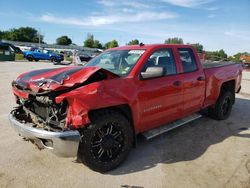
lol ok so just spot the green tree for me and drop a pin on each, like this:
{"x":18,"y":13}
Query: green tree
{"x":63,"y":40}
{"x":236,"y":57}
{"x":97,"y":44}
{"x":111,"y":44}
{"x":133,"y":42}
{"x":216,"y":55}
{"x":23,"y":34}
{"x":89,"y":42}
{"x":1,"y":34}
{"x":174,"y":40}
{"x":198,"y":47}
{"x":222,"y":54}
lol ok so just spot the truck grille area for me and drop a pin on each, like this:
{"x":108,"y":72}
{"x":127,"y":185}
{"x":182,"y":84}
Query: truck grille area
{"x":43,"y":114}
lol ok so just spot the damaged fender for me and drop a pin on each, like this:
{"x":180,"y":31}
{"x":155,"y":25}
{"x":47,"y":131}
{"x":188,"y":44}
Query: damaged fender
{"x":87,"y":98}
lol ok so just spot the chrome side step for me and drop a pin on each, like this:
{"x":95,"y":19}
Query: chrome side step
{"x":165,"y":128}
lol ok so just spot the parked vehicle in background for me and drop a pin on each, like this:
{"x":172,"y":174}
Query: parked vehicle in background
{"x":84,"y":56}
{"x":95,"y":111}
{"x":13,"y":47}
{"x":6,"y":53}
{"x":37,"y":54}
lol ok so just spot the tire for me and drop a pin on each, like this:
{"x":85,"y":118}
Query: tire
{"x":36,"y":60}
{"x":106,"y":142}
{"x":30,"y":58}
{"x":56,"y":62}
{"x":53,"y":59}
{"x":223,"y":106}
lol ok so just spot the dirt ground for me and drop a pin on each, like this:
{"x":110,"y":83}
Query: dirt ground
{"x":204,"y":153}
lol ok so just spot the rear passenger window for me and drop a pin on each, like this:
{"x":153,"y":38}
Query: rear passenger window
{"x":187,"y":59}
{"x":162,"y":58}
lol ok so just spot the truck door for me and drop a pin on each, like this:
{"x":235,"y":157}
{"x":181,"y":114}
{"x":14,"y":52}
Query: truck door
{"x":160,"y":99}
{"x":37,"y":54}
{"x":193,"y":81}
{"x":46,"y":54}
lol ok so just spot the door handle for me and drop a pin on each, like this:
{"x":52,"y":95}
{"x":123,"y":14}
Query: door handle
{"x":200,"y":78}
{"x":177,"y":83}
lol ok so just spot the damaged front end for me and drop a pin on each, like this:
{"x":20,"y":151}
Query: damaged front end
{"x":40,"y":118}
{"x":42,"y":113}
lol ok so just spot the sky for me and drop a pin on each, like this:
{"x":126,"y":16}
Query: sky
{"x":216,"y":24}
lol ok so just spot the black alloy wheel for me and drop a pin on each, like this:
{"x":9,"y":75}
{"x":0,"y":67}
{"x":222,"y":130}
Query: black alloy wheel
{"x":106,"y":142}
{"x":223,"y":106}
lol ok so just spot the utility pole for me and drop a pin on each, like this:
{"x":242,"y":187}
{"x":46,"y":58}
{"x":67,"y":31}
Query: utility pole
{"x":39,"y":38}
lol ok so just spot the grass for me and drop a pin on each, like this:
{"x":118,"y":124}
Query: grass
{"x":19,"y":57}
{"x":67,"y":58}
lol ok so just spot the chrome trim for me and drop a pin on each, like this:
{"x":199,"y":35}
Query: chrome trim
{"x":64,"y":144}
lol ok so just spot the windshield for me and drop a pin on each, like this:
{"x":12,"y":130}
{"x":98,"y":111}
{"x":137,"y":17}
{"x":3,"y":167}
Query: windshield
{"x":120,"y":62}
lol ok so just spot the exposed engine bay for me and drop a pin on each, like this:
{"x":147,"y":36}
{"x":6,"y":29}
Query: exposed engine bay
{"x":41,"y":112}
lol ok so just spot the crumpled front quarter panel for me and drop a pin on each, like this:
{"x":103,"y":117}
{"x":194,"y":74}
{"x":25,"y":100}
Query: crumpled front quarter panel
{"x":98,"y":95}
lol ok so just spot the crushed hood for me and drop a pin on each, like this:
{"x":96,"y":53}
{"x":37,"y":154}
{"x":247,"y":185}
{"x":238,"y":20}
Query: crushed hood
{"x":56,"y":79}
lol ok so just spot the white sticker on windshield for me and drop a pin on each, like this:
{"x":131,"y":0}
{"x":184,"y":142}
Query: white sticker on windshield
{"x":139,"y":52}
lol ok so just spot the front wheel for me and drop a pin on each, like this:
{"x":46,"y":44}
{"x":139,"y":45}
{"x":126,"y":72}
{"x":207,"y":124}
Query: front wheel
{"x":223,"y":106}
{"x":53,"y":59}
{"x":56,"y":62}
{"x":106,"y":142}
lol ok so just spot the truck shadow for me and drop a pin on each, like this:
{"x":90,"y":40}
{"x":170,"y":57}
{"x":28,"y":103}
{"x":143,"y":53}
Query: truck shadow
{"x":188,"y":142}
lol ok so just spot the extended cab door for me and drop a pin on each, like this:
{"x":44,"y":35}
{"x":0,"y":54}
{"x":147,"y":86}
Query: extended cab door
{"x":193,"y":81}
{"x":160,"y":99}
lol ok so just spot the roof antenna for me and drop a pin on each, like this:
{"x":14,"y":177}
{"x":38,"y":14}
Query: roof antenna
{"x":141,"y":44}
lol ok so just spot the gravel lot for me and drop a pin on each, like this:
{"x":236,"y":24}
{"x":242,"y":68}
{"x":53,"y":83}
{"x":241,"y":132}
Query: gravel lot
{"x":204,"y":153}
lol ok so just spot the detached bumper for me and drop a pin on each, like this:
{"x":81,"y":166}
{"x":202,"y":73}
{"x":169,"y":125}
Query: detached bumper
{"x":63,"y":144}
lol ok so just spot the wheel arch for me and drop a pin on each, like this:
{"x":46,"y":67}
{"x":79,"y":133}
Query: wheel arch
{"x":229,"y":86}
{"x":30,"y":55}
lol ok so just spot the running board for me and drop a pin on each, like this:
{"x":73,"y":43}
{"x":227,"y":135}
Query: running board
{"x":165,"y":128}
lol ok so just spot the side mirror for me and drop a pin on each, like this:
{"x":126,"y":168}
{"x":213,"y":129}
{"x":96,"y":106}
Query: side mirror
{"x":153,"y":72}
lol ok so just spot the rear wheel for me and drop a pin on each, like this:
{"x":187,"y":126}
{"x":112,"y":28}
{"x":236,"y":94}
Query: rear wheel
{"x":106,"y":142}
{"x":223,"y":106}
{"x":30,"y":58}
{"x":36,"y":60}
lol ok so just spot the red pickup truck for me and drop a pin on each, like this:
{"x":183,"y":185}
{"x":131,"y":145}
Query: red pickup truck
{"x":94,"y":112}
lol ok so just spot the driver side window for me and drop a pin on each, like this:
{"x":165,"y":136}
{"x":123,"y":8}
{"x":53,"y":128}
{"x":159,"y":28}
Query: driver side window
{"x":162,"y":58}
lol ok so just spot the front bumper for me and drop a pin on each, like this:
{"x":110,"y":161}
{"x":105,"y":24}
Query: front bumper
{"x":63,"y":144}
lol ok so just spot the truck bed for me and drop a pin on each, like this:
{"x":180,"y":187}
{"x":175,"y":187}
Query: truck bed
{"x":216,"y":74}
{"x":212,"y":64}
